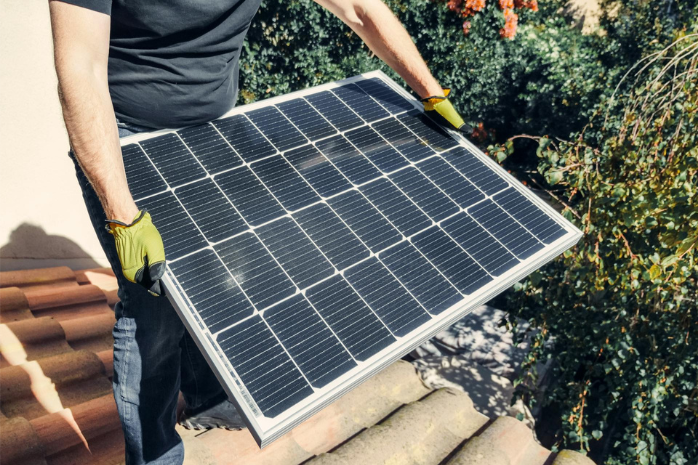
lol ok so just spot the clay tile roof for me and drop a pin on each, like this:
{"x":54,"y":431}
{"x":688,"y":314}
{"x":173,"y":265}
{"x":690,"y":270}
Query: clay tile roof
{"x":56,"y":400}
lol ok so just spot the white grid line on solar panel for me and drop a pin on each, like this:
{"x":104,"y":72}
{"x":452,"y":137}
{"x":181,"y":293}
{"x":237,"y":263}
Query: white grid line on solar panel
{"x":528,"y":212}
{"x":293,"y":360}
{"x":510,"y":232}
{"x":492,"y":236}
{"x":277,"y":367}
{"x":355,"y":137}
{"x":180,"y":166}
{"x":485,"y":238}
{"x":253,"y":277}
{"x":363,"y":106}
{"x":318,"y":314}
{"x":274,"y":115}
{"x":402,"y":209}
{"x":428,"y":263}
{"x":443,"y":251}
{"x":392,"y":291}
{"x":476,"y":172}
{"x":349,"y":311}
{"x":253,"y":141}
{"x":306,"y":324}
{"x":462,"y":209}
{"x":207,"y":142}
{"x":385,"y":90}
{"x":285,"y":183}
{"x":307,"y":120}
{"x":333,"y":109}
{"x":289,"y":248}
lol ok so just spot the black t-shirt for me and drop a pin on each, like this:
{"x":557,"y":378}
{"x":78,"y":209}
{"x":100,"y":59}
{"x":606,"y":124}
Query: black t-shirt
{"x":174,"y":63}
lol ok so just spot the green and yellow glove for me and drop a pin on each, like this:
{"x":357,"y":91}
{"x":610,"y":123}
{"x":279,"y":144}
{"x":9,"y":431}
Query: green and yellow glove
{"x":441,"y":110}
{"x":140,"y":250}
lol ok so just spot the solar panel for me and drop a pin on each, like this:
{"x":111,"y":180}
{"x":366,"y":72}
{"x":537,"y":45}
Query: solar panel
{"x":314,"y":238}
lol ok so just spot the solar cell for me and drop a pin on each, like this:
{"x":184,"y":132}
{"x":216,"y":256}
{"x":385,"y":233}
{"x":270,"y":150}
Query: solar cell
{"x":209,"y":147}
{"x":315,"y":238}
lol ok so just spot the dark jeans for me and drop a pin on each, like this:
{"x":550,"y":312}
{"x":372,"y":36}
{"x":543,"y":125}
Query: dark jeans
{"x":154,"y":357}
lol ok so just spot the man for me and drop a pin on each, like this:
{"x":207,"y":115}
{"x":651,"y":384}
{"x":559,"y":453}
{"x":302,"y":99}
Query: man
{"x":126,"y":66}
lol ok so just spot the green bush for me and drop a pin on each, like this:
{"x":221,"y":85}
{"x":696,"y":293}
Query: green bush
{"x":544,"y":80}
{"x":621,"y":307}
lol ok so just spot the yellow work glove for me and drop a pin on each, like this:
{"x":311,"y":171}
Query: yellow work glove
{"x":140,"y":250}
{"x":440,"y":109}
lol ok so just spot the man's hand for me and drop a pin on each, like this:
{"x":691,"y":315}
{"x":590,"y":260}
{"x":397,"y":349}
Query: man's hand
{"x":440,"y":109}
{"x":140,"y":250}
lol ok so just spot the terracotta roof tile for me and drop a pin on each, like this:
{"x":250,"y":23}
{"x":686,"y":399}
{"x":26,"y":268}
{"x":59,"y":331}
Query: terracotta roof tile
{"x":55,"y":395}
{"x":42,"y":278}
{"x":13,"y":305}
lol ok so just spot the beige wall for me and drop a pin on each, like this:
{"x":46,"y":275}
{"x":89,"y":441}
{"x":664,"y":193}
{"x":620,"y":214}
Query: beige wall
{"x":43,"y":221}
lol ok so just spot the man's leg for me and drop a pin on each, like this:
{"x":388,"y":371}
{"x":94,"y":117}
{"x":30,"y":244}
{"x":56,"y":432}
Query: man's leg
{"x":147,"y":354}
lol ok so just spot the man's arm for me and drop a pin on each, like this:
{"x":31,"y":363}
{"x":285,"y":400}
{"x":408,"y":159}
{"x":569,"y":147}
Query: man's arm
{"x":373,"y":21}
{"x":81,"y":50}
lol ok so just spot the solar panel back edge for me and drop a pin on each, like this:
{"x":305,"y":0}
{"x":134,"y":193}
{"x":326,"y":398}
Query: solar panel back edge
{"x":266,"y":429}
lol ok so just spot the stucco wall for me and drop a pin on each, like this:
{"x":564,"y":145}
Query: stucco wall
{"x":43,"y":221}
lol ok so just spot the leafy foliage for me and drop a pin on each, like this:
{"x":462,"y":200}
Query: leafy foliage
{"x":621,"y":307}
{"x":545,"y":79}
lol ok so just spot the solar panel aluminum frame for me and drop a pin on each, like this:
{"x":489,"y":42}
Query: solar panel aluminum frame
{"x":266,"y":430}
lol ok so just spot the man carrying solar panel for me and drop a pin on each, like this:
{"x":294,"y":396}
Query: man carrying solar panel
{"x":127,"y":66}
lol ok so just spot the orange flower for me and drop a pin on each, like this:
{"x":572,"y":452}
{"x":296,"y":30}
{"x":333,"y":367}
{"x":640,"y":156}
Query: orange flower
{"x":506,"y":4}
{"x":510,"y":21}
{"x":466,"y":27}
{"x":475,"y":5}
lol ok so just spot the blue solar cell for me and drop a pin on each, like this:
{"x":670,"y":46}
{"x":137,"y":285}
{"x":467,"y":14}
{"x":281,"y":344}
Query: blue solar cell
{"x":210,"y":209}
{"x":212,"y":291}
{"x":172,"y":158}
{"x":489,"y":253}
{"x":244,"y":137}
{"x":209,"y":147}
{"x":269,"y":374}
{"x":425,"y":283}
{"x":531,"y":217}
{"x":179,"y":234}
{"x":361,"y":332}
{"x":387,"y":97}
{"x":425,"y":194}
{"x":409,"y":145}
{"x":331,"y":235}
{"x":277,"y":128}
{"x":285,"y":183}
{"x":427,"y":130}
{"x":360,"y":102}
{"x":383,"y":155}
{"x":306,"y":119}
{"x":254,"y":202}
{"x":396,"y":308}
{"x":502,"y":226}
{"x":475,"y":170}
{"x":399,"y":209}
{"x":334,"y":110}
{"x":311,"y":343}
{"x":303,"y":262}
{"x":451,"y":181}
{"x":143,"y":179}
{"x":348,"y":160}
{"x":317,"y":170}
{"x":366,"y":222}
{"x":255,"y":270}
{"x":460,"y":269}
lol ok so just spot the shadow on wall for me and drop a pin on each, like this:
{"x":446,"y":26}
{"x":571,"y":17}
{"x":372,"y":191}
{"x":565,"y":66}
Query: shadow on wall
{"x":30,"y":247}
